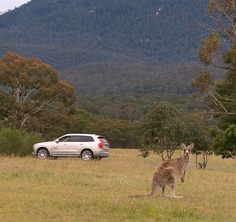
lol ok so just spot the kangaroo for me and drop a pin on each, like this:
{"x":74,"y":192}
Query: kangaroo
{"x":167,"y":172}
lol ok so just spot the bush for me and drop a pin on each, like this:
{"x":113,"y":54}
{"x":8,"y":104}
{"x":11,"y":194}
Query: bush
{"x":14,"y":142}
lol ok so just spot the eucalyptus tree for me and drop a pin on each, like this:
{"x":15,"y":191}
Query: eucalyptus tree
{"x":32,"y":98}
{"x":219,"y":50}
{"x":163,"y":132}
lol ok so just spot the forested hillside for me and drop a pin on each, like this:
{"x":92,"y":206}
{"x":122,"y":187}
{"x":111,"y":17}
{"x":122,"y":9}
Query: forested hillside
{"x":139,"y":78}
{"x":67,"y":33}
{"x":111,"y":46}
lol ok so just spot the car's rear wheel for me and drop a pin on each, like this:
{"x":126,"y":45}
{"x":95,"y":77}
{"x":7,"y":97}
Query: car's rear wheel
{"x":87,"y":155}
{"x":42,"y":153}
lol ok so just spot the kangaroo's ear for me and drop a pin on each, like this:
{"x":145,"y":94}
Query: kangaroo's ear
{"x":183,"y":145}
{"x":191,"y":146}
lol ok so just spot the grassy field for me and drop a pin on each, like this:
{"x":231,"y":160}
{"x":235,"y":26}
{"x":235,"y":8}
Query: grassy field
{"x":75,"y":190}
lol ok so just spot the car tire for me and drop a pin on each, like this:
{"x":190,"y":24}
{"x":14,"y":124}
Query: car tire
{"x":87,"y":155}
{"x":42,"y":153}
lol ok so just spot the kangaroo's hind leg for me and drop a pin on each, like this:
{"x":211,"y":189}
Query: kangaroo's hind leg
{"x":171,"y":183}
{"x":172,"y":188}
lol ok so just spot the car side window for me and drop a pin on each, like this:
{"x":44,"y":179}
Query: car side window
{"x":86,"y":138}
{"x":81,"y":139}
{"x":64,"y":139}
{"x":73,"y":139}
{"x":76,"y":139}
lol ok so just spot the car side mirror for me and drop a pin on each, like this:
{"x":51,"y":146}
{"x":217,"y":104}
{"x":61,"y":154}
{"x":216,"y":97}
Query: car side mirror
{"x":57,"y":141}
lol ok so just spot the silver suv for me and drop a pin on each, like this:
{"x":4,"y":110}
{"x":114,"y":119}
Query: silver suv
{"x":86,"y":146}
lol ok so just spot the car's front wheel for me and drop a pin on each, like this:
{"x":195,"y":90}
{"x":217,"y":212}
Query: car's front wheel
{"x":87,"y":155}
{"x":42,"y":153}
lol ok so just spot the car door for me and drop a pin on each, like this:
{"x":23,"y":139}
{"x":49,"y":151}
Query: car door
{"x":63,"y":147}
{"x":74,"y":144}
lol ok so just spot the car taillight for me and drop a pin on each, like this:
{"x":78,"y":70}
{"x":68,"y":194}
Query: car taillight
{"x":100,"y":144}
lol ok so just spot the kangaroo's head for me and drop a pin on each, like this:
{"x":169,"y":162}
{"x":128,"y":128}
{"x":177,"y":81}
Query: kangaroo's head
{"x":186,"y":149}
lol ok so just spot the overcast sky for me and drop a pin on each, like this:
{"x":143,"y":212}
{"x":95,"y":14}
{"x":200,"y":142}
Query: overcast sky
{"x":5,"y":5}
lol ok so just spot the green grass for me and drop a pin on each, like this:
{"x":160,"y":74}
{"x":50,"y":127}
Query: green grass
{"x":74,"y":190}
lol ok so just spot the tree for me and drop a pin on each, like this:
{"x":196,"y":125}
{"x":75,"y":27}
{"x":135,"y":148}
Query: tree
{"x":162,"y":130}
{"x":202,"y":146}
{"x":225,"y":143}
{"x":32,"y":98}
{"x":219,"y":50}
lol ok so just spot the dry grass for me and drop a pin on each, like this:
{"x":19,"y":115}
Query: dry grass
{"x":74,"y":190}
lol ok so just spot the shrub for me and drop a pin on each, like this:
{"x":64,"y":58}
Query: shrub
{"x":14,"y":142}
